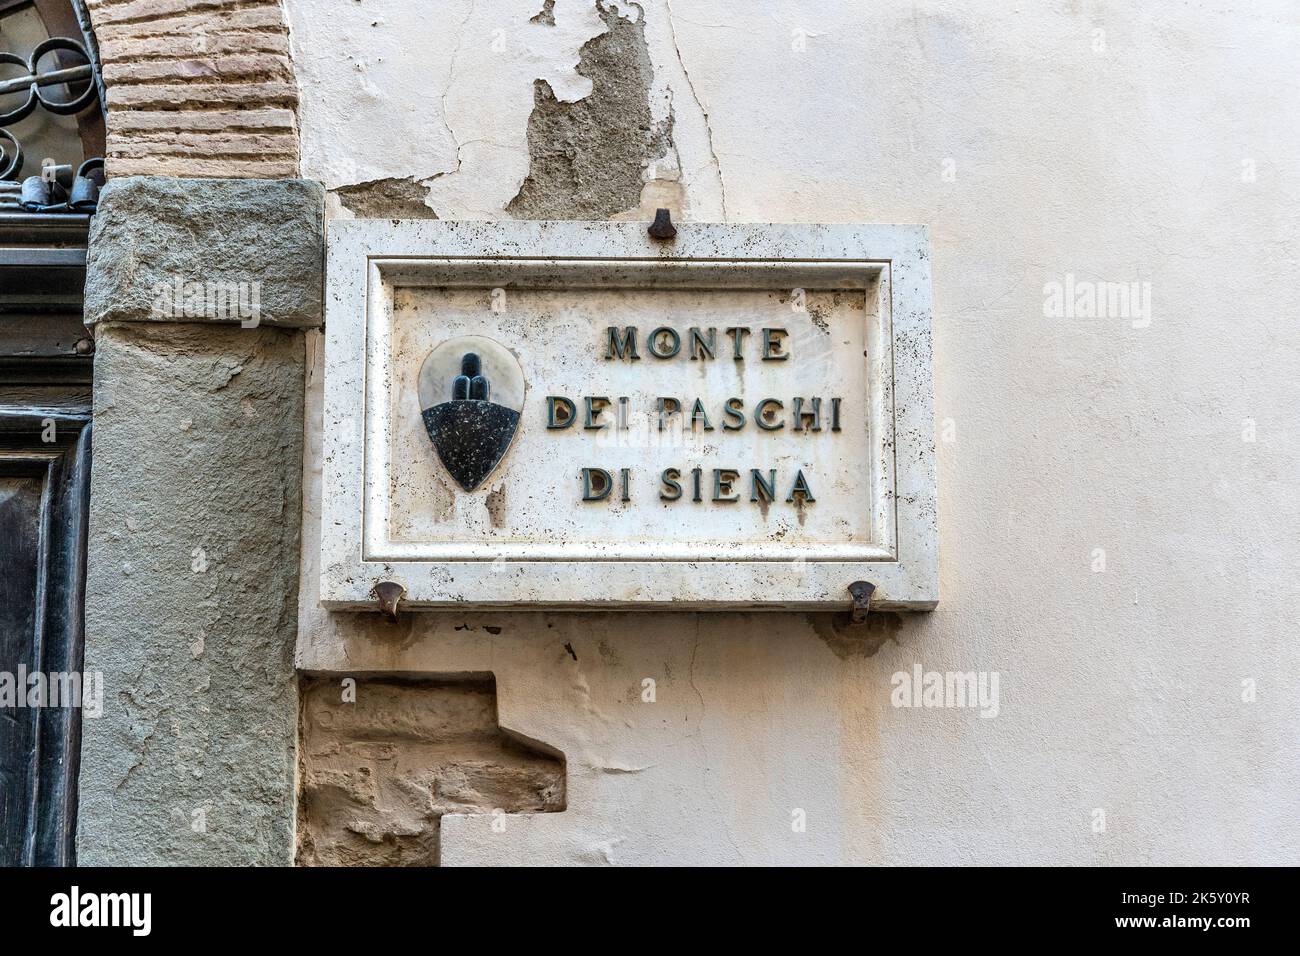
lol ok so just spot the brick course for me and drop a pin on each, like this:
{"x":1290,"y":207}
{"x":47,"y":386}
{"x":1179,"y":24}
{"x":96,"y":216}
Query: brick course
{"x":197,"y":88}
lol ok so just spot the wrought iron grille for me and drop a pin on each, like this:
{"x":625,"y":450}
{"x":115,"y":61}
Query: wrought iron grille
{"x":57,"y":76}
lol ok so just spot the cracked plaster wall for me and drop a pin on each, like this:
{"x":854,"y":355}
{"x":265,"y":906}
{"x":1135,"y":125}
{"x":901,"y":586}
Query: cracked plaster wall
{"x":452,"y":109}
{"x":1093,"y":139}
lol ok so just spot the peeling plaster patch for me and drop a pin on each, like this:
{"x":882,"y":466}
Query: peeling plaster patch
{"x":386,"y":199}
{"x":588,"y":157}
{"x":657,"y":193}
{"x":546,"y":15}
{"x":489,"y":97}
{"x":364,"y":82}
{"x":863,"y":641}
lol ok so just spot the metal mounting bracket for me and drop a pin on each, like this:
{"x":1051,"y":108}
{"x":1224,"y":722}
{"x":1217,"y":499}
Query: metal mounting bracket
{"x":389,"y":594}
{"x":861,"y":592}
{"x":662,"y":227}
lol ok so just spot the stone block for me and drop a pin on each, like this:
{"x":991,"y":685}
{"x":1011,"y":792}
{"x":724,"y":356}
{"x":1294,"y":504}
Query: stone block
{"x":191,"y":596}
{"x":247,"y":252}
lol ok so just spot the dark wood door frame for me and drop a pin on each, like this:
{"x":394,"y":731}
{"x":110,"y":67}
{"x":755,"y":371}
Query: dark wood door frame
{"x":45,"y":436}
{"x":42,"y":833}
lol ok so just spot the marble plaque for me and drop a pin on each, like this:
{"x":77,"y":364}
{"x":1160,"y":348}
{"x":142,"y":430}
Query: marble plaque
{"x":578,"y":415}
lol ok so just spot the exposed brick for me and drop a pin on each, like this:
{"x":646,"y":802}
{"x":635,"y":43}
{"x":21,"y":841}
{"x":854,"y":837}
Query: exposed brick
{"x":144,"y":121}
{"x":189,"y":143}
{"x":210,"y":22}
{"x":111,"y":12}
{"x":197,"y":88}
{"x":205,"y":68}
{"x":199,"y":95}
{"x":133,"y":50}
{"x":184,"y":166}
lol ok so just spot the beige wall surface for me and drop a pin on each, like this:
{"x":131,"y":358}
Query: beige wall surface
{"x":1118,"y":494}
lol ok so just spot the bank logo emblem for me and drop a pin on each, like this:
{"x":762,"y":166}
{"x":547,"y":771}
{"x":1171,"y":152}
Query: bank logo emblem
{"x":471,"y":394}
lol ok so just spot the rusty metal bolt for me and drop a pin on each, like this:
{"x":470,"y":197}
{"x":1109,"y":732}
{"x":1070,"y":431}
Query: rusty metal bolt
{"x":662,"y":227}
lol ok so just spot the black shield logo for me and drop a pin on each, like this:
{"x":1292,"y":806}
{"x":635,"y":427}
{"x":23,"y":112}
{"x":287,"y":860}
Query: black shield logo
{"x":470,"y":432}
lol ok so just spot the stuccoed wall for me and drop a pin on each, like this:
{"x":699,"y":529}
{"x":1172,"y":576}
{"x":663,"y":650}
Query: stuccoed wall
{"x":1117,"y":495}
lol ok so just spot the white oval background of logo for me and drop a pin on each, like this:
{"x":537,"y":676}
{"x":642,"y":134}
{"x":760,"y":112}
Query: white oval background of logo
{"x":504,"y":373}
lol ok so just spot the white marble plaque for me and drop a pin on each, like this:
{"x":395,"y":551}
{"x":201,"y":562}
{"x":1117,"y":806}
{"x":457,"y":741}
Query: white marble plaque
{"x":575,"y":414}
